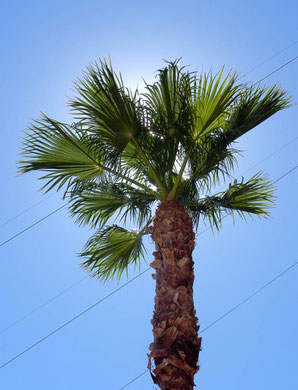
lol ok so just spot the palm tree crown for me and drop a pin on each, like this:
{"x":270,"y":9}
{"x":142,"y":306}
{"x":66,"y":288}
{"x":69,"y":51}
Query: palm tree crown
{"x":126,"y":151}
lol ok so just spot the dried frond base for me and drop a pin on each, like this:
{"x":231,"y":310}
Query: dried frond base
{"x":176,"y":345}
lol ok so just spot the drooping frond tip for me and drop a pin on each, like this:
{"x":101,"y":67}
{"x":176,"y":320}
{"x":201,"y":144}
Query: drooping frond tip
{"x":110,"y":251}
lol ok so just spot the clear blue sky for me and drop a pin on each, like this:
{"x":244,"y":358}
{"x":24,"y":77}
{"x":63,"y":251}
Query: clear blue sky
{"x":44,"y":47}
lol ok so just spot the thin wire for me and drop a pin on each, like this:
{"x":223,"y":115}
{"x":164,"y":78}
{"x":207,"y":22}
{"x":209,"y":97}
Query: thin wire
{"x":275,"y":181}
{"x":268,"y":59}
{"x":137,"y":377}
{"x":228,"y":312}
{"x":276,"y":70}
{"x":248,"y":298}
{"x":35,"y":223}
{"x":43,"y":304}
{"x":281,"y":177}
{"x":270,"y":155}
{"x":71,"y":320}
{"x":24,"y":211}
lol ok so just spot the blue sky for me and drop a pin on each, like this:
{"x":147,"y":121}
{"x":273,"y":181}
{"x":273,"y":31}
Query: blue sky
{"x":44,"y":47}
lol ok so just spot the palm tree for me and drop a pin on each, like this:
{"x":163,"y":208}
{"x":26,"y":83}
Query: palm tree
{"x":152,"y":160}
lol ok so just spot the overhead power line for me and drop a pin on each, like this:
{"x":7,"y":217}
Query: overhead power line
{"x":31,"y":226}
{"x":248,"y":298}
{"x":73,"y":319}
{"x":276,"y":70}
{"x":101,"y":300}
{"x":25,"y":211}
{"x":270,"y":58}
{"x":226,"y":313}
{"x":270,"y":155}
{"x":43,"y":304}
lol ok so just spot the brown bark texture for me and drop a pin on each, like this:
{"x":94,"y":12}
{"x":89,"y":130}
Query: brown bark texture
{"x":176,"y":345}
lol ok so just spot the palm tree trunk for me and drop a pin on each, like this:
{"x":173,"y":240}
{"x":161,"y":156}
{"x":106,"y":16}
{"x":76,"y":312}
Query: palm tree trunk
{"x":176,"y":345}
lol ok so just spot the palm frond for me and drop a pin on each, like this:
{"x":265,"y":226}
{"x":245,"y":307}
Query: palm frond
{"x":110,"y":251}
{"x":112,"y":113}
{"x":167,"y":101}
{"x":96,"y":205}
{"x":62,"y":150}
{"x":255,"y":105}
{"x":252,"y":197}
{"x":210,"y":162}
{"x":212,"y":99}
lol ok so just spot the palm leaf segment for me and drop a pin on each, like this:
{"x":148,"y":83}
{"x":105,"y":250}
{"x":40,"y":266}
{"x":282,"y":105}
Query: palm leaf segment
{"x":126,"y":151}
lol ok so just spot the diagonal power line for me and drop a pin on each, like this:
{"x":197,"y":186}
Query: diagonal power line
{"x":25,"y":211}
{"x":43,"y":304}
{"x":226,"y":313}
{"x":72,"y":319}
{"x":113,"y":292}
{"x":270,"y":58}
{"x":276,"y":70}
{"x":31,"y":226}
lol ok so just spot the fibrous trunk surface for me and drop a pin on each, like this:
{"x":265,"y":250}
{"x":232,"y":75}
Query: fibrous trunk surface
{"x":176,"y":343}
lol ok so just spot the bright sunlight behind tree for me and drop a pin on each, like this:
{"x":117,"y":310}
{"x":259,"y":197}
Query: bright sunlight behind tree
{"x":128,"y":155}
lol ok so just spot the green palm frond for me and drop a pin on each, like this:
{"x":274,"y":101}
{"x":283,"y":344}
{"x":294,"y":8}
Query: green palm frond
{"x":255,"y":105}
{"x":112,"y":113}
{"x":212,"y":100}
{"x":210,"y":162}
{"x":96,"y":205}
{"x":252,"y":197}
{"x":167,"y":101}
{"x":62,"y":150}
{"x":110,"y":251}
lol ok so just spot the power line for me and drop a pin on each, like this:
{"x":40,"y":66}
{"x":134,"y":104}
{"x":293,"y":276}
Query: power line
{"x":227,"y":313}
{"x":270,"y":155}
{"x":248,"y":298}
{"x":43,"y":304}
{"x":101,"y":300}
{"x":35,"y":223}
{"x":134,"y":379}
{"x":281,"y":177}
{"x":268,"y":59}
{"x":276,"y":70}
{"x":72,"y":319}
{"x":25,"y":211}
